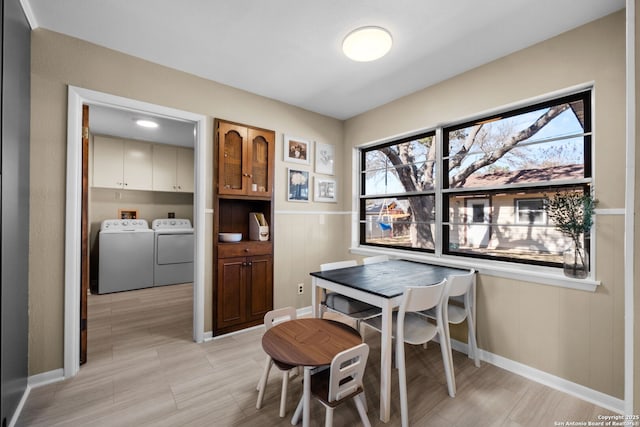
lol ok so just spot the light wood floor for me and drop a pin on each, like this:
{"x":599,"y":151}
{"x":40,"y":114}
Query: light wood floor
{"x":144,"y":370}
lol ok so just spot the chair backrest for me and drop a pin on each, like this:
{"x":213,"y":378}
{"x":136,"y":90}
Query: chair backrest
{"x":338,"y":264}
{"x":278,"y":315}
{"x":375,"y":259}
{"x":419,"y":298}
{"x":459,"y":284}
{"x":347,"y":372}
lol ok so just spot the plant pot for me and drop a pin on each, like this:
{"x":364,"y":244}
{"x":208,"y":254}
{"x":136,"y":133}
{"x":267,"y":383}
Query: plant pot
{"x":576,"y":262}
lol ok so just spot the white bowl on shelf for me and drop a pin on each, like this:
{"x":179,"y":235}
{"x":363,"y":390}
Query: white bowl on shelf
{"x":229,"y":237}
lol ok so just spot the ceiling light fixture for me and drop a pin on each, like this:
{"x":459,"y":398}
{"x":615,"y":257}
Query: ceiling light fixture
{"x":146,"y":123}
{"x":367,"y":44}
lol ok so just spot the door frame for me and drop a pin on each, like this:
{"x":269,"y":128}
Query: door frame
{"x":73,"y":234}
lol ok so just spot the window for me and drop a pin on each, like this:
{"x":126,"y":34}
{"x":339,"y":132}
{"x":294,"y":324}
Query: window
{"x":397,"y":206}
{"x":494,"y":176}
{"x":530,"y":211}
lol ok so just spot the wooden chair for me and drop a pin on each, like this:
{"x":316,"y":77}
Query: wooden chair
{"x":288,"y":313}
{"x":342,"y":304}
{"x":413,"y":328}
{"x":341,"y":382}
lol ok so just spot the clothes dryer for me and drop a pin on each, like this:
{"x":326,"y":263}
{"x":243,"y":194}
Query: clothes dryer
{"x":174,"y":249}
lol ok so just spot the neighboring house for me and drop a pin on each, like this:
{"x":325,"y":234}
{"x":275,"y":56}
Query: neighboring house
{"x":514,"y":222}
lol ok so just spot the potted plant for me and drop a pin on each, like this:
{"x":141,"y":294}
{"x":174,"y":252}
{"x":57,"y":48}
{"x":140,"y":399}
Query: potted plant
{"x":572,"y":214}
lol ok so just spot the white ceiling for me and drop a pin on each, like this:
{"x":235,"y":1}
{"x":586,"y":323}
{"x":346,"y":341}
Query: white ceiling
{"x":105,"y":120}
{"x":290,"y":50}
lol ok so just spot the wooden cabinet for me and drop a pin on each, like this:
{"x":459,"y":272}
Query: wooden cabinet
{"x":172,"y":168}
{"x":243,"y":289}
{"x":245,"y":160}
{"x":124,"y":164}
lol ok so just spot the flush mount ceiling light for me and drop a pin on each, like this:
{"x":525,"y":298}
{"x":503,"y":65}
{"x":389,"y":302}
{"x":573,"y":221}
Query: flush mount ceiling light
{"x":146,"y":123}
{"x":367,"y":44}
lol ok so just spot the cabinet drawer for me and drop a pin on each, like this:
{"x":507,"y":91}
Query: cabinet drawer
{"x":228,"y":250}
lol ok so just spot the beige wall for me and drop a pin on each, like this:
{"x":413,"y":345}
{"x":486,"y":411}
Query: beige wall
{"x":575,"y":335}
{"x":58,"y":61}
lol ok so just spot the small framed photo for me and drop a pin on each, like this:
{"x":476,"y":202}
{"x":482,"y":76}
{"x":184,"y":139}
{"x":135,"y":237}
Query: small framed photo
{"x":296,"y":150}
{"x":325,"y":190}
{"x":297,"y":185}
{"x":325,"y":155}
{"x":128,"y":213}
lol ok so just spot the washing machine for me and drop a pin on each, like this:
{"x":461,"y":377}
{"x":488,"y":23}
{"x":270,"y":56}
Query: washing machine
{"x":125,"y":255}
{"x":174,"y":249}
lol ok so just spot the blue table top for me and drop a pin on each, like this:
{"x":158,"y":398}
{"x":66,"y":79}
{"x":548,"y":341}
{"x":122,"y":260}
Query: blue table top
{"x":388,"y":279}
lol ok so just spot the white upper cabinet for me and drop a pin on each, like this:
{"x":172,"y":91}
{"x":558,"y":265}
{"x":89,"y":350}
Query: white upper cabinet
{"x":123,"y":164}
{"x":172,"y":168}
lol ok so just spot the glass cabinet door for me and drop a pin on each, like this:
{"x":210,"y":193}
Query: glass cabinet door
{"x":261,"y":146}
{"x":231,"y":161}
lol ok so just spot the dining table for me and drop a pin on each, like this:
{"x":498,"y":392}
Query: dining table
{"x":382,"y":285}
{"x":310,"y":343}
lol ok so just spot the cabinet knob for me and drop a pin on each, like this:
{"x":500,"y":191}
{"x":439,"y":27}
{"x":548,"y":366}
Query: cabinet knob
{"x":249,"y":264}
{"x":246,"y":249}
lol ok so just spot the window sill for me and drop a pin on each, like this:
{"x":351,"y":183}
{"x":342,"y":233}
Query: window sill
{"x":521,"y":272}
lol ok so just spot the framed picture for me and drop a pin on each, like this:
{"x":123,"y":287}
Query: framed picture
{"x":297,"y":185}
{"x":325,"y":155}
{"x":128,"y":213}
{"x":296,"y":150}
{"x":325,"y":190}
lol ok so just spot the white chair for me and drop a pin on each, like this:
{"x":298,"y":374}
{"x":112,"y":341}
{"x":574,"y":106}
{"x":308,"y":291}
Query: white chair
{"x":342,"y":304}
{"x":286,"y":313}
{"x":459,"y":290}
{"x":375,"y":259}
{"x":413,"y":328}
{"x":341,"y":382}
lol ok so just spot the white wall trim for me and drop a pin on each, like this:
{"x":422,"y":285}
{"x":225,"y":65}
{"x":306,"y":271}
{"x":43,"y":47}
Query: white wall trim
{"x":312,"y":212}
{"x":45,"y":378}
{"x":20,"y":407}
{"x":76,"y":97}
{"x":629,"y":223}
{"x":592,"y":396}
{"x":28,"y":12}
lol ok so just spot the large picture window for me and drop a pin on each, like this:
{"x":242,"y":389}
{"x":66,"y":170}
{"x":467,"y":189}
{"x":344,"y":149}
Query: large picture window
{"x":495,"y":174}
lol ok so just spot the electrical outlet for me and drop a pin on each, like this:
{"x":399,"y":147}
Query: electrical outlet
{"x":300,"y":288}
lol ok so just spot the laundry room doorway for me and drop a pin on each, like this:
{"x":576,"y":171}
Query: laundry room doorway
{"x":96,"y":200}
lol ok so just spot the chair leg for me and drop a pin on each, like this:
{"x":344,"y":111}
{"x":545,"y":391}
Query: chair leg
{"x":328,"y":419}
{"x":283,"y":393}
{"x":263,"y":381}
{"x":265,"y":371}
{"x":402,"y":379}
{"x":473,"y":343}
{"x":298,"y":412}
{"x":361,"y":405}
{"x":447,"y":360}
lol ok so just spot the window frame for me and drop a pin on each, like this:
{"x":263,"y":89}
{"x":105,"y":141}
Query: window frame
{"x":517,"y":210}
{"x":442,"y":191}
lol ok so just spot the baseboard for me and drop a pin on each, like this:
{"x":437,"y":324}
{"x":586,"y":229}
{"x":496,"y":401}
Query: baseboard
{"x":18,"y":411}
{"x":33,"y":382}
{"x":581,"y":392}
{"x":45,"y":378}
{"x":208,"y":336}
